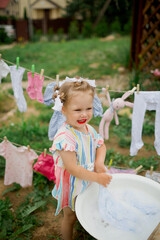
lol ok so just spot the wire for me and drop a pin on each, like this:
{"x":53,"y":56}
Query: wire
{"x":27,"y":69}
{"x":97,"y":88}
{"x":21,"y":145}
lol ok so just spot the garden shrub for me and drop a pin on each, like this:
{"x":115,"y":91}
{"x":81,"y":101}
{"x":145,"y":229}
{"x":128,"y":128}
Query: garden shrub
{"x":115,"y":26}
{"x":101,"y":29}
{"x":73,"y":30}
{"x":50,"y":34}
{"x":128,"y":27}
{"x":87,"y":29}
{"x":4,"y":38}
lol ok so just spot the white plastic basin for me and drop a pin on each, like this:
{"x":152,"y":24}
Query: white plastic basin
{"x":145,"y":189}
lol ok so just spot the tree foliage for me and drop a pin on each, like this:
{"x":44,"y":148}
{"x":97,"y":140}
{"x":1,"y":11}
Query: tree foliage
{"x":118,"y":10}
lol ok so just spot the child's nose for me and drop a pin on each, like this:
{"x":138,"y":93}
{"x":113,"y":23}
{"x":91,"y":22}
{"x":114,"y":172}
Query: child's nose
{"x":83,"y":113}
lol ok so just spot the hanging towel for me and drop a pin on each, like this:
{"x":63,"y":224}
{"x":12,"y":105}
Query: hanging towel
{"x":4,"y":70}
{"x":19,"y":162}
{"x":16,"y":78}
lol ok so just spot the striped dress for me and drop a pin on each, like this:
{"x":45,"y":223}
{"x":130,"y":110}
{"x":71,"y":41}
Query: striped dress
{"x":67,"y":138}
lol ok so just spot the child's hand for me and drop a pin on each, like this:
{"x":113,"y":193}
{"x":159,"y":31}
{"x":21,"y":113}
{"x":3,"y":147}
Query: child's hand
{"x":103,"y":179}
{"x":100,"y":168}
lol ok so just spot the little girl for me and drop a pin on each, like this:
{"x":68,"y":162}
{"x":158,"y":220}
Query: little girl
{"x":78,"y":151}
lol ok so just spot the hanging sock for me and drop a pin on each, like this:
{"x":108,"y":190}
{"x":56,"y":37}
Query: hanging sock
{"x":4,"y":70}
{"x":16,"y":78}
{"x":30,"y":89}
{"x":35,"y":85}
{"x":19,"y":162}
{"x":39,"y":87}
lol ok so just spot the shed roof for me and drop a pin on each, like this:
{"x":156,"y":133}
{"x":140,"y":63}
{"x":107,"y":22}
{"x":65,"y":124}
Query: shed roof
{"x":4,"y":3}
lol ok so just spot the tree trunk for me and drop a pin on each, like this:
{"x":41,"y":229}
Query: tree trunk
{"x":101,"y":13}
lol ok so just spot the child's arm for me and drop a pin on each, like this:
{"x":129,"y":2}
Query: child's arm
{"x":100,"y":158}
{"x":70,"y":163}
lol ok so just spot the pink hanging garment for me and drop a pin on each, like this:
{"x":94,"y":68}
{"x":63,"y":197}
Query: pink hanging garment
{"x":39,"y":87}
{"x":35,"y":86}
{"x":19,"y":162}
{"x":45,"y":166}
{"x":116,"y":170}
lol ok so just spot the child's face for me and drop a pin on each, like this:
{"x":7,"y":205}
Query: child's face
{"x":79,"y":110}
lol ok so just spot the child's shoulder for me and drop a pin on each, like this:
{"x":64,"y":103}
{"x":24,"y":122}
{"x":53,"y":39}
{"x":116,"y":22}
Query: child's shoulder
{"x":64,"y":131}
{"x":91,"y":129}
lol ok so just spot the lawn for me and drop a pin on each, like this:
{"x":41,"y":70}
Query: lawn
{"x":28,"y":213}
{"x":79,"y":55}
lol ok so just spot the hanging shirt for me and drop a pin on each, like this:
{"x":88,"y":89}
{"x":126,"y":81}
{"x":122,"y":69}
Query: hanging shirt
{"x":19,"y":162}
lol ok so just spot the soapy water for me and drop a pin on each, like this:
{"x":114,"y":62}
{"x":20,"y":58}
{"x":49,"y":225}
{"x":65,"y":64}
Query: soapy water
{"x":130,"y":210}
{"x":127,"y":211}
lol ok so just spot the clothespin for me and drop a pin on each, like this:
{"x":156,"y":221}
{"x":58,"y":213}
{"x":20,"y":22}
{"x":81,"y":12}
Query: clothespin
{"x":17,"y":62}
{"x":107,"y":87}
{"x":110,"y":163}
{"x":28,"y":147}
{"x":5,"y":138}
{"x":33,"y":70}
{"x":105,"y":90}
{"x":45,"y":152}
{"x":151,"y":170}
{"x":57,"y":80}
{"x":137,"y":88}
{"x":138,"y":168}
{"x":41,"y":74}
{"x":133,"y":90}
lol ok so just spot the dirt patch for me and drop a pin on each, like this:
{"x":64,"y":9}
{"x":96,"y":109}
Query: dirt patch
{"x":51,"y":225}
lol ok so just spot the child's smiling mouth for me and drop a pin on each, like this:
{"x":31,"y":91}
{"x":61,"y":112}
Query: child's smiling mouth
{"x":81,"y":121}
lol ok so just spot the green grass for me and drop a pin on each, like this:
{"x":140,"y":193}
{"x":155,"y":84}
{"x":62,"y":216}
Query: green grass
{"x":56,"y":58}
{"x":59,"y":57}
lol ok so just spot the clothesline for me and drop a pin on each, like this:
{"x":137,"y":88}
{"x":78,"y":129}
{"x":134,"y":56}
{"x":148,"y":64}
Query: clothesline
{"x":98,"y":88}
{"x":38,"y":151}
{"x":21,"y":145}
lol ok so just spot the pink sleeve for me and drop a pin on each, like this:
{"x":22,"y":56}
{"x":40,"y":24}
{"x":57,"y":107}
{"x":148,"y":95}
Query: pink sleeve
{"x":32,"y":156}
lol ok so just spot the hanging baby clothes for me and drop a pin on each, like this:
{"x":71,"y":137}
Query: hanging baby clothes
{"x":16,"y":78}
{"x":116,"y":170}
{"x":35,"y":86}
{"x":45,"y":166}
{"x":57,"y":118}
{"x":4,"y":70}
{"x":19,"y":162}
{"x":142,"y":102}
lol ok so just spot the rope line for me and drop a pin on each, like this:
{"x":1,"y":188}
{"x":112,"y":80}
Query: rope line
{"x":98,"y":88}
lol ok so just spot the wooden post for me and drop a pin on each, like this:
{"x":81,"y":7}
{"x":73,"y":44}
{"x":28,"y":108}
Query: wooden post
{"x":155,"y":235}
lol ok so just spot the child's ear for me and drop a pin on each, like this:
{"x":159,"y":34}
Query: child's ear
{"x":63,"y":110}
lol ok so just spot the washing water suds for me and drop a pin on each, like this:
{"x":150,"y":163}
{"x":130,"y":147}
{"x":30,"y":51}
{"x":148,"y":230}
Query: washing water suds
{"x":129,"y":211}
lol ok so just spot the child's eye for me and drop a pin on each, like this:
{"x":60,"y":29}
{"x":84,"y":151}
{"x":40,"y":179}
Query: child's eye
{"x":89,"y":108}
{"x":77,"y":110}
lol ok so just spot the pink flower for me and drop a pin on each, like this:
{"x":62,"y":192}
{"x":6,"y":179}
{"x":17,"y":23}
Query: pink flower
{"x":156,"y":72}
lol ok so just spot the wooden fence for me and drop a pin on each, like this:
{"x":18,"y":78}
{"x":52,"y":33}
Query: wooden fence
{"x":145,"y":47}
